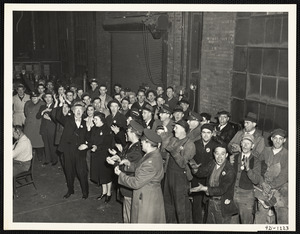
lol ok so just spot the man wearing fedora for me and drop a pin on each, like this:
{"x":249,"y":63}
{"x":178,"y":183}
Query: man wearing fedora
{"x":274,"y":178}
{"x":224,"y":130}
{"x":178,"y":174}
{"x":250,"y":123}
{"x":248,"y":170}
{"x":74,"y":146}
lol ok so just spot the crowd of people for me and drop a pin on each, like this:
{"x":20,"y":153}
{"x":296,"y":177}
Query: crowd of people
{"x":168,"y":163}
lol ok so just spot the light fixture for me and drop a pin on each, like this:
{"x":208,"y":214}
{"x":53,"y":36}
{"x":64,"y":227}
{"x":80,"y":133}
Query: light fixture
{"x":193,"y":86}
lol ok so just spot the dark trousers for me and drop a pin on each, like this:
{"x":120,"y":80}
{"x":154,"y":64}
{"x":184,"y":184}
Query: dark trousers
{"x":214,"y":213}
{"x":244,"y":199}
{"x":50,"y":148}
{"x":198,"y":207}
{"x":39,"y":153}
{"x":75,"y":164}
{"x":176,"y":198}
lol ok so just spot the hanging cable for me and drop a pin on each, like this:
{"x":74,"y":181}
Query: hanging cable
{"x":146,"y":53}
{"x":17,"y":24}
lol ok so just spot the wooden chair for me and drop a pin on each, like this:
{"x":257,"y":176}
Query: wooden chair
{"x":24,"y":178}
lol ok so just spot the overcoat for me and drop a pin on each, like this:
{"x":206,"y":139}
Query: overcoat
{"x":47,"y":126}
{"x":147,"y":201}
{"x":226,"y":134}
{"x":32,"y":124}
{"x":100,"y":171}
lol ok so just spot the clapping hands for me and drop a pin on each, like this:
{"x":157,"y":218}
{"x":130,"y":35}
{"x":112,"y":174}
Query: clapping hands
{"x":198,"y":188}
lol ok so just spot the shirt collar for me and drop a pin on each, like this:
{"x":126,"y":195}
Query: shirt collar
{"x":251,"y":132}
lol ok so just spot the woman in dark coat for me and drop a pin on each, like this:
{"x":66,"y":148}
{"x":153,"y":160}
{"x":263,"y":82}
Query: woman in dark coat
{"x":101,"y":139}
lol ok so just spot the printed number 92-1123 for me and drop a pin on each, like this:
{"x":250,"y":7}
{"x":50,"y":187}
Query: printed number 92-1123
{"x":277,"y":228}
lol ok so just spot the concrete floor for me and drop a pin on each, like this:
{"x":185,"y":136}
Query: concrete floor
{"x":46,"y":204}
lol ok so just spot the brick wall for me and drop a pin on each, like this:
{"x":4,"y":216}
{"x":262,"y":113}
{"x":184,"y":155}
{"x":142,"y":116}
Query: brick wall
{"x":174,"y":49}
{"x":216,"y":61}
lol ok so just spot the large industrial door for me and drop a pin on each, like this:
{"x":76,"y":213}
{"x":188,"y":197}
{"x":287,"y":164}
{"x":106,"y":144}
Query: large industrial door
{"x":137,"y":59}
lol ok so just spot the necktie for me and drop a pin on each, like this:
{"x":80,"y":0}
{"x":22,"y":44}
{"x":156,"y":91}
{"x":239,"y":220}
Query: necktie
{"x":243,"y":162}
{"x":15,"y":144}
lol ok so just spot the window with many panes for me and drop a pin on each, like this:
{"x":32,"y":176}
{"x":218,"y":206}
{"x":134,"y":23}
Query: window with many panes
{"x":260,"y":69}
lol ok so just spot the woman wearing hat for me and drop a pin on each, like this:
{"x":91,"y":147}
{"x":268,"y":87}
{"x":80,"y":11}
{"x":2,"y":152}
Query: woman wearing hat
{"x":100,"y":141}
{"x":147,"y":200}
{"x":32,"y":124}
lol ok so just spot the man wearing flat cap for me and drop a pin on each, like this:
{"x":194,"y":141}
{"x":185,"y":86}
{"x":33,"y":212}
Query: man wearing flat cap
{"x":204,"y":155}
{"x":133,"y":152}
{"x":178,"y":113}
{"x":47,"y":129}
{"x":274,"y":178}
{"x":165,"y":118}
{"x":250,"y":123}
{"x":147,"y":200}
{"x":73,"y":144}
{"x":178,"y":175}
{"x":134,"y":114}
{"x":248,"y":172}
{"x":117,"y":122}
{"x":194,"y":120}
{"x":224,"y":130}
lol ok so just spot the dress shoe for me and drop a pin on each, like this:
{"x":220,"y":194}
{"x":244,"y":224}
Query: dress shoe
{"x":101,"y":196}
{"x":45,"y":164}
{"x":84,"y":197}
{"x":107,"y":199}
{"x":53,"y":164}
{"x":67,"y":195}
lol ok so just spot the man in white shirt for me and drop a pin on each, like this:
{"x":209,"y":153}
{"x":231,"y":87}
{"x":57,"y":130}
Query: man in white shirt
{"x":19,"y":101}
{"x":22,"y":151}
